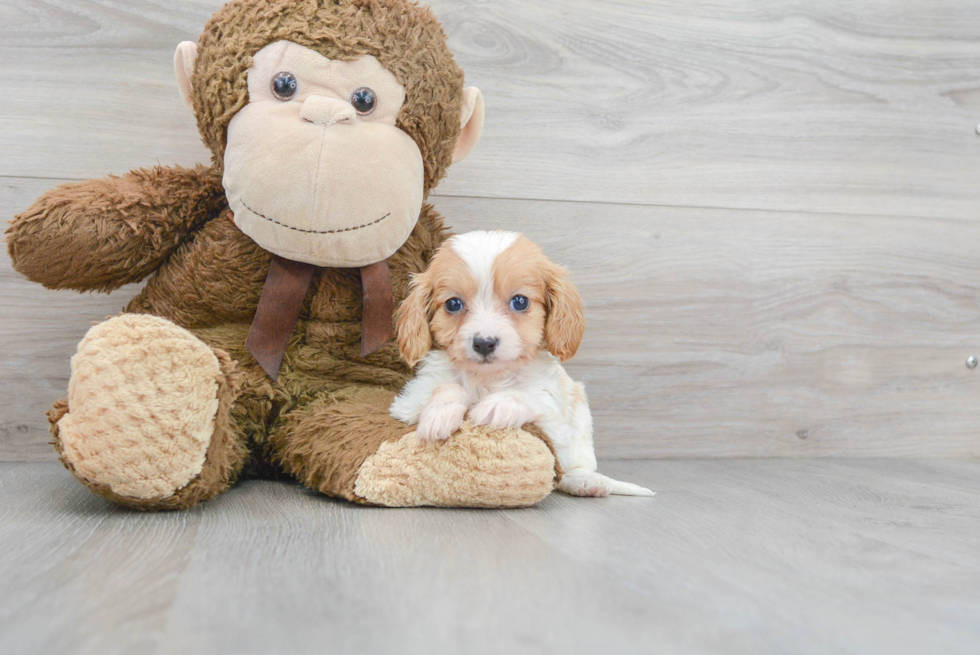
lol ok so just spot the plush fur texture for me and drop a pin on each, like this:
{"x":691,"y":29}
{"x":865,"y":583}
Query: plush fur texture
{"x":137,"y":427}
{"x":328,"y":411}
{"x":101,"y":234}
{"x":514,"y":470}
{"x":224,"y":460}
{"x":327,"y":440}
{"x":406,"y":38}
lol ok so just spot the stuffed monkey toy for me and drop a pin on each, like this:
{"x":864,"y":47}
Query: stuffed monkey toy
{"x":260,"y":344}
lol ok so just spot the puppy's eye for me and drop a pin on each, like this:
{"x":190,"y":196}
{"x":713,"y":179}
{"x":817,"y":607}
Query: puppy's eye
{"x":363,"y":100}
{"x":519,"y":303}
{"x":454,"y":305}
{"x":284,"y":86}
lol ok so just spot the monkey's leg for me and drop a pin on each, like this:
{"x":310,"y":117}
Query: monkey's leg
{"x":345,"y":444}
{"x":146,"y":423}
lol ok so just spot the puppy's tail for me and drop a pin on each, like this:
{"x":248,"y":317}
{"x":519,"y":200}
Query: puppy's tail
{"x":618,"y":488}
{"x":583,"y":482}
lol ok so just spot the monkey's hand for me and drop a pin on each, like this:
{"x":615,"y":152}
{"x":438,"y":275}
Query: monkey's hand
{"x":98,"y":235}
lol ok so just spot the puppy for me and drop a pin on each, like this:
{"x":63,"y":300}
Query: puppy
{"x":492,"y":319}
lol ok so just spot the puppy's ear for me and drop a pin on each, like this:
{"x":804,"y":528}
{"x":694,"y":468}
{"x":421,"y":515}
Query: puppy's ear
{"x":412,"y":322}
{"x":565,"y":325}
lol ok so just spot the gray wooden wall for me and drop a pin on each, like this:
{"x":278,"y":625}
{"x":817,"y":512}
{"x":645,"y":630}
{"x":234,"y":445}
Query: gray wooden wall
{"x":770,"y":206}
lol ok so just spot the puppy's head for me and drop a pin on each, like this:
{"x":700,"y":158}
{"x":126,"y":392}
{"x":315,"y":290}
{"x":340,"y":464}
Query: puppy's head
{"x":491,"y":300}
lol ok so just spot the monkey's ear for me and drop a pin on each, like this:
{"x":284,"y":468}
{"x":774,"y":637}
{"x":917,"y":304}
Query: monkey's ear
{"x":471,"y":119}
{"x":412,"y":322}
{"x":184,"y":60}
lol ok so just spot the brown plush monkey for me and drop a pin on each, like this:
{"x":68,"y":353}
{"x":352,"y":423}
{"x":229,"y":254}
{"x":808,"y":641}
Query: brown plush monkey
{"x":329,"y":123}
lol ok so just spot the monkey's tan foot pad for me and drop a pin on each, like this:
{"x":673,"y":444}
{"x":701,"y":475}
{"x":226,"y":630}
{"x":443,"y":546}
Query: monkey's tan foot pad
{"x":142,"y":401}
{"x":476,"y":467}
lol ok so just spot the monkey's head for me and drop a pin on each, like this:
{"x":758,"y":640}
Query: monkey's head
{"x":330,"y":120}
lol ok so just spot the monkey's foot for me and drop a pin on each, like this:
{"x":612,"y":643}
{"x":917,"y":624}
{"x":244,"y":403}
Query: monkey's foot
{"x":478,"y":466}
{"x":144,"y":402}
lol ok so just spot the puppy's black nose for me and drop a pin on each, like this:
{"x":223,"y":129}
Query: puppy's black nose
{"x":484,"y":345}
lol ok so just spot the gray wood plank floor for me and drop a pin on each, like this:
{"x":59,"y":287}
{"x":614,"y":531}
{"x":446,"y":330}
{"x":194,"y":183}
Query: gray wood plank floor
{"x":838,"y":106}
{"x":732,"y":556}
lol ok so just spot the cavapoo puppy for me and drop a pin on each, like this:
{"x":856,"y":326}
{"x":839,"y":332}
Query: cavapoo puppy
{"x":492,"y":319}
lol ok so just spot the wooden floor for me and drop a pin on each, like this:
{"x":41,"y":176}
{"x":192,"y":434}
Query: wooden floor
{"x":731,"y":556}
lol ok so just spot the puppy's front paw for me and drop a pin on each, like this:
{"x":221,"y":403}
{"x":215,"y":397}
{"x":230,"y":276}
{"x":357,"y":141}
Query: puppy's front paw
{"x":439,"y":420}
{"x":501,"y":411}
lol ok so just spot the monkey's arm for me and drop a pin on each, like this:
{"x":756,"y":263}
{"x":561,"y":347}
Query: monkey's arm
{"x":98,"y":235}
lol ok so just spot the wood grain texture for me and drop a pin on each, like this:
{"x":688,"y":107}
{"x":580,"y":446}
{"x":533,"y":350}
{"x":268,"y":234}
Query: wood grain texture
{"x":749,"y":556}
{"x":852,"y":107}
{"x":712,"y":333}
{"x":734,"y":333}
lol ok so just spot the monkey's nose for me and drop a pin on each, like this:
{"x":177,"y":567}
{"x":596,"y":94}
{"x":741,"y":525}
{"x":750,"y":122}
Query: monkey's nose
{"x":485,"y":345}
{"x":327,"y":111}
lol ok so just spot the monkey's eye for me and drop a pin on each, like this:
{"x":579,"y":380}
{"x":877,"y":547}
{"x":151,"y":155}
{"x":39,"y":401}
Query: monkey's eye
{"x":284,"y":86}
{"x":454,"y":305}
{"x":519,"y":303}
{"x":363,"y":100}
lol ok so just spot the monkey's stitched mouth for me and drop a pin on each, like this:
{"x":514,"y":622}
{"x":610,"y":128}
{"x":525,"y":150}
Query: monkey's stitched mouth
{"x":299,"y":229}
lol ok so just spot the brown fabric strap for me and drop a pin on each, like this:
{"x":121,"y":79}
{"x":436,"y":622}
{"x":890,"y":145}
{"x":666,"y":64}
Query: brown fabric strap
{"x":279,"y":307}
{"x":281,"y":302}
{"x":378,"y":306}
{"x":282,"y":299}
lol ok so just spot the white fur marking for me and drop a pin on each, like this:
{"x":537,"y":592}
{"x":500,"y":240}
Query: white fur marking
{"x":479,"y":250}
{"x":443,"y":414}
{"x":502,"y":410}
